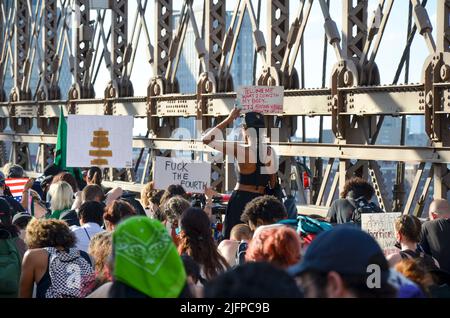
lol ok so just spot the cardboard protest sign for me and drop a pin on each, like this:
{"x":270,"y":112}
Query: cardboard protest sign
{"x":261,"y":99}
{"x":103,"y":141}
{"x":193,"y":176}
{"x":381,"y":227}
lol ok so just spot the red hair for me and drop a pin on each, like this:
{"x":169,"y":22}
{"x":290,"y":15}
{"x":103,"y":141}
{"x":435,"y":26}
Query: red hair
{"x":279,"y":246}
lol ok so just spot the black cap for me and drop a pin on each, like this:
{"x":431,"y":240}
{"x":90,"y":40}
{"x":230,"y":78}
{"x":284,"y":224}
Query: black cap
{"x":346,"y":250}
{"x":15,"y":171}
{"x":254,"y":120}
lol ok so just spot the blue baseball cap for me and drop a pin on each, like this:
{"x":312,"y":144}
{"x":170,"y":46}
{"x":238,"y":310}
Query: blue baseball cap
{"x":346,"y":250}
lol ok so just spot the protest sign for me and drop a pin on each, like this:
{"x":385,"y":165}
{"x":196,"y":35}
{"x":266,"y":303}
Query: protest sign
{"x":193,"y":176}
{"x":103,"y":141}
{"x":261,"y":99}
{"x":381,"y":227}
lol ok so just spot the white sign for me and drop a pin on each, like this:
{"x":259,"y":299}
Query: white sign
{"x":381,"y":227}
{"x":193,"y":176}
{"x":102,"y":141}
{"x":261,"y":99}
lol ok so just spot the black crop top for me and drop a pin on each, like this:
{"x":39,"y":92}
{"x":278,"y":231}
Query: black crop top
{"x":256,"y":178}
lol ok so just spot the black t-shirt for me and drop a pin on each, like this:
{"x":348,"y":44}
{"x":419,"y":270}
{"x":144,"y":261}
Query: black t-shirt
{"x":341,"y":211}
{"x":436,"y":241}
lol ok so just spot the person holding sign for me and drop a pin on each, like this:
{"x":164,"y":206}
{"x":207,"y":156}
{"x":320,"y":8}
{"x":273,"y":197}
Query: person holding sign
{"x":256,"y":165}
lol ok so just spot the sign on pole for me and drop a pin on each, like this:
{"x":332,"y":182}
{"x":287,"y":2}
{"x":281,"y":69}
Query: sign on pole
{"x":103,"y":141}
{"x":261,"y":99}
{"x":193,"y":176}
{"x":381,"y":227}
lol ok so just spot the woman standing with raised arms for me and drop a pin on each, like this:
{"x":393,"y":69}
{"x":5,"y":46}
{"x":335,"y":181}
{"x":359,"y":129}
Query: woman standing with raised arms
{"x":257,"y":165}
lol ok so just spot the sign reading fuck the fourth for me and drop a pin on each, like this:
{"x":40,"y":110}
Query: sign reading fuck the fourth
{"x":193,"y":176}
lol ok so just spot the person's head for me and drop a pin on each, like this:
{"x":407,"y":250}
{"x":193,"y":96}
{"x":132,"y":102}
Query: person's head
{"x":356,"y":188}
{"x":174,"y":208}
{"x":279,"y":246}
{"x":172,"y":191}
{"x":415,"y":270}
{"x":94,"y":176}
{"x":241,"y":232}
{"x":100,"y":247}
{"x":91,"y":212}
{"x":408,"y":229}
{"x":253,"y":280}
{"x":251,"y":126}
{"x":61,"y":194}
{"x":439,"y":209}
{"x":116,"y":212}
{"x":21,"y":220}
{"x":264,"y":210}
{"x":67,"y":177}
{"x":147,"y":193}
{"x":196,"y":241}
{"x":344,"y":262}
{"x":13,"y":171}
{"x":41,"y":233}
{"x":146,"y":259}
{"x":52,"y":170}
{"x":92,"y":192}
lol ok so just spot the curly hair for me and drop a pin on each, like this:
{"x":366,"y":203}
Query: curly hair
{"x":196,"y":241}
{"x":279,"y":246}
{"x":117,"y":211}
{"x":100,"y":248}
{"x":42,"y":233}
{"x":172,"y":191}
{"x":268,"y":209}
{"x":359,"y":187}
{"x":174,"y":208}
{"x":410,"y":227}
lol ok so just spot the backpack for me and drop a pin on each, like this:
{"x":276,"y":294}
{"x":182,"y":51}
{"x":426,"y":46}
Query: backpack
{"x":307,"y":227}
{"x":10,"y":268}
{"x":363,"y":206}
{"x":71,"y":273}
{"x":240,"y":253}
{"x":291,"y":207}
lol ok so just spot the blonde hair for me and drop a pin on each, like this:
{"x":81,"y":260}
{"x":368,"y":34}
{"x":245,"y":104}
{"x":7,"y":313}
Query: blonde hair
{"x":100,"y":248}
{"x":61,"y":194}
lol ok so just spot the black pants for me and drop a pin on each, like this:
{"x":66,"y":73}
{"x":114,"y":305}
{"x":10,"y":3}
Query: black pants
{"x":236,"y":206}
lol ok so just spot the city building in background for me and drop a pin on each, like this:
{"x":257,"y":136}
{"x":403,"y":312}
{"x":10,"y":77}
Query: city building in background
{"x":189,"y":67}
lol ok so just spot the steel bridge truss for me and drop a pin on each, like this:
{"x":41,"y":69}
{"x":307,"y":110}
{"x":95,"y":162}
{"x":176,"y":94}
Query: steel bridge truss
{"x":36,"y":38}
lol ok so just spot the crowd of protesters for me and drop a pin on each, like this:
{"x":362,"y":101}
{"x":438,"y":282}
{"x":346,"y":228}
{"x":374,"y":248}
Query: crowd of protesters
{"x":76,"y":238}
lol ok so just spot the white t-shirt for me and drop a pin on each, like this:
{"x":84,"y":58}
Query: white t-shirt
{"x":84,"y":234}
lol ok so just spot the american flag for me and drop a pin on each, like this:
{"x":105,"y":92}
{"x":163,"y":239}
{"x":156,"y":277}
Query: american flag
{"x":16,"y":186}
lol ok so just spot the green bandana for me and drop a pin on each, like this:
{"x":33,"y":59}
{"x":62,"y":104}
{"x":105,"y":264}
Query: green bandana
{"x":146,"y":258}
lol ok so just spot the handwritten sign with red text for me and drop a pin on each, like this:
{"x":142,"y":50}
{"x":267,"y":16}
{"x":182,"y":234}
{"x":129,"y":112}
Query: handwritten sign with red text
{"x":381,"y":227}
{"x":261,"y":99}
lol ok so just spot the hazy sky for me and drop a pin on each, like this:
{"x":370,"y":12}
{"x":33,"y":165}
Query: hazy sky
{"x":388,"y":57}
